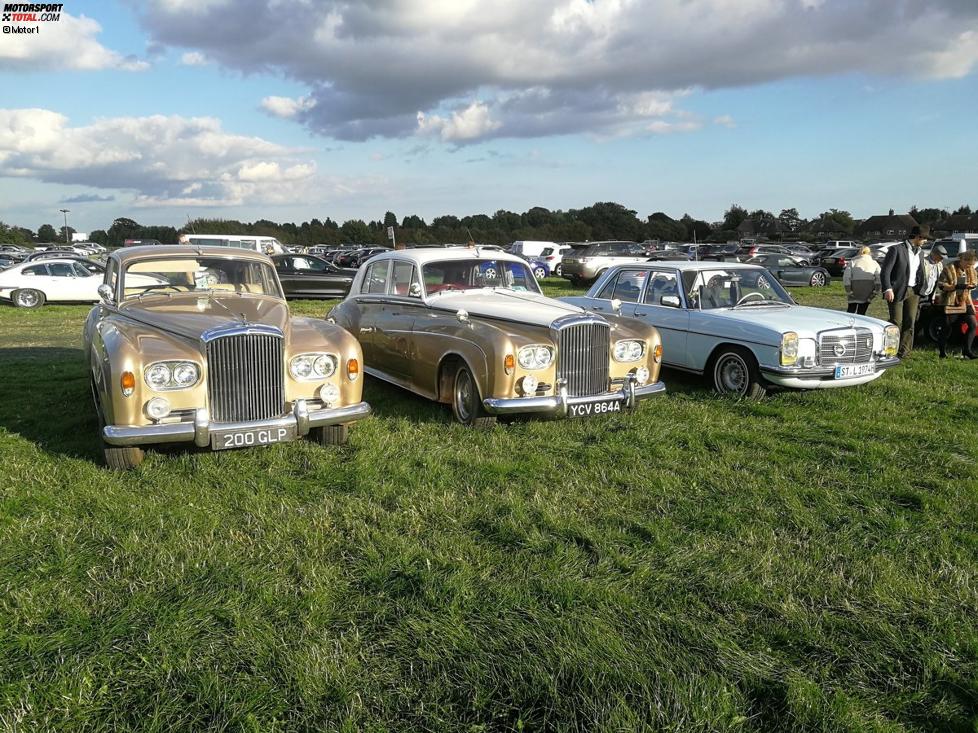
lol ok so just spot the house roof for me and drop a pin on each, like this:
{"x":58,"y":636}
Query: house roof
{"x":883,"y":222}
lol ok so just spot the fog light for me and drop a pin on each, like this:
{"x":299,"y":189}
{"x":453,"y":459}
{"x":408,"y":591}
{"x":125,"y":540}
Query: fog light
{"x":641,"y":375}
{"x":158,"y":408}
{"x":528,"y":385}
{"x":329,"y":393}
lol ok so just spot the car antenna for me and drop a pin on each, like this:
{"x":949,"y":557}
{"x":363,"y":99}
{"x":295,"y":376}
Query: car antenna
{"x":191,"y":225}
{"x":471,"y":243}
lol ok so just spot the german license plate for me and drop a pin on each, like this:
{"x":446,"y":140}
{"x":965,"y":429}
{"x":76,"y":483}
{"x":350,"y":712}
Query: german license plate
{"x":854,"y":370}
{"x":225,"y":439}
{"x":594,"y":408}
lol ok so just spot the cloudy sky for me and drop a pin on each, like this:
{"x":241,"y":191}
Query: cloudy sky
{"x":292,"y":109}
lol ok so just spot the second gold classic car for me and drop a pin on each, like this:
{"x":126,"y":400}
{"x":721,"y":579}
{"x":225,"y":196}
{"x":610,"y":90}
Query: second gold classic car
{"x":196,"y":345}
{"x":470,"y":327}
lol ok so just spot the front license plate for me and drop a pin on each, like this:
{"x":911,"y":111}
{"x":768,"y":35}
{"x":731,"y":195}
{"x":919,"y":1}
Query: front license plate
{"x":594,"y":408}
{"x":854,"y":370}
{"x":222,"y":440}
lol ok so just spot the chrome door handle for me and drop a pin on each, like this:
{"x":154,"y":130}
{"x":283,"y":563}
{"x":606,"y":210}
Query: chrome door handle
{"x":368,"y":329}
{"x":642,"y":313}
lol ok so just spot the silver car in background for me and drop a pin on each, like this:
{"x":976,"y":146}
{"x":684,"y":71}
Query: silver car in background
{"x":588,"y":262}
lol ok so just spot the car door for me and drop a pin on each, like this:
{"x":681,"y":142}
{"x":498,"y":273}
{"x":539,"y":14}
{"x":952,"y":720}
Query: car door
{"x":394,"y":325}
{"x":86,"y":282}
{"x":792,"y":272}
{"x":663,"y":306}
{"x":286,"y":275}
{"x":370,"y":303}
{"x":64,"y":283}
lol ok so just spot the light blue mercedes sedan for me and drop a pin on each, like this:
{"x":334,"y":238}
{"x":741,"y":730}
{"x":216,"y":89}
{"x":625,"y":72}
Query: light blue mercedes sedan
{"x":735,"y":324}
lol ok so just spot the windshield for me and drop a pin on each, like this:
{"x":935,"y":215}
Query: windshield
{"x":470,"y":274}
{"x":199,"y":274}
{"x":712,"y":289}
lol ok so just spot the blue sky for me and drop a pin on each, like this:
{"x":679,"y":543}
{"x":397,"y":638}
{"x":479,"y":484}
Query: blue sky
{"x":348,"y":110}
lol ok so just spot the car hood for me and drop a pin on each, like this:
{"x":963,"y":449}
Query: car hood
{"x":530,"y":308}
{"x":190,"y":315}
{"x":804,"y":320}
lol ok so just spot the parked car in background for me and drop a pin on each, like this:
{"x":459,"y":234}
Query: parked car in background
{"x":878,"y":250}
{"x":834,"y":245}
{"x":530,"y":248}
{"x":308,"y":276}
{"x":554,"y":257}
{"x":835,"y":262}
{"x":210,"y":356}
{"x":587,"y":263}
{"x":792,"y":270}
{"x":54,"y":280}
{"x":252,"y":242}
{"x":436,"y":323}
{"x":736,"y":325}
{"x":538,"y":267}
{"x":14,"y":251}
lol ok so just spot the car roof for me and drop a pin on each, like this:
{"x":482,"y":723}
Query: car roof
{"x":162,"y":251}
{"x":693,"y":266}
{"x":438,"y":254}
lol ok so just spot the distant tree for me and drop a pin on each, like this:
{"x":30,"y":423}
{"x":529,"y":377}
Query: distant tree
{"x":507,"y":222}
{"x":356,"y":231}
{"x":539,"y":217}
{"x":833,"y":221}
{"x":99,"y":236}
{"x":609,"y":220}
{"x":47,"y":233}
{"x":701,"y":229}
{"x":13,"y":235}
{"x":661,"y":226}
{"x":929,"y":215}
{"x":734,"y":217}
{"x":445,"y":222}
{"x":390,"y":220}
{"x":413,"y":222}
{"x":790,"y":220}
{"x":965,"y":209}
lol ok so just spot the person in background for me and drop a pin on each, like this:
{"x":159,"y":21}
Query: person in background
{"x":861,"y":280}
{"x":956,"y":283}
{"x":898,"y":276}
{"x":931,"y":268}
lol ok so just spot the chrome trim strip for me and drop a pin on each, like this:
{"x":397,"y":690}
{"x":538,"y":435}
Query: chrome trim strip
{"x":240,"y":329}
{"x":795,"y":371}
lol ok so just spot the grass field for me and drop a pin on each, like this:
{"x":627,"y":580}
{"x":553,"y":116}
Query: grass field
{"x":808,"y":562}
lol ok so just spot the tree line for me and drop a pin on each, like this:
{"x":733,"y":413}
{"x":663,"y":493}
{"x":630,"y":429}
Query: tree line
{"x":603,"y":220}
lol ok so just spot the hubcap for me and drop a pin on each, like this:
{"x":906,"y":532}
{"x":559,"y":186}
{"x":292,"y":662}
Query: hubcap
{"x":818,"y":279}
{"x":732,"y":375}
{"x":540,"y":273}
{"x":463,"y":395}
{"x":490,"y":272}
{"x":29,"y":298}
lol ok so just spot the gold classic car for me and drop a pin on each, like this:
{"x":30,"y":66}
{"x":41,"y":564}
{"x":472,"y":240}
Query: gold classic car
{"x":470,"y":327}
{"x":196,"y":345}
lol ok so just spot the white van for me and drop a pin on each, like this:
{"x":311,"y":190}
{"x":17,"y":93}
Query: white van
{"x":253,"y":242}
{"x":531,"y":249}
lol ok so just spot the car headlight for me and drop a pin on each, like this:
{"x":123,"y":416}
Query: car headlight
{"x":789,"y":348}
{"x":315,"y":366}
{"x":535,"y":357}
{"x":629,"y":350}
{"x":162,"y":376}
{"x":891,"y":340}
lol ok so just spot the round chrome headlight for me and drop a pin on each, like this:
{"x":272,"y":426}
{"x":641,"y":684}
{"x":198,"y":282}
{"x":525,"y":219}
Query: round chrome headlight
{"x":324,"y":366}
{"x":313,"y":366}
{"x":301,"y":367}
{"x":536,"y":356}
{"x":629,"y":350}
{"x":158,"y":376}
{"x":185,"y":374}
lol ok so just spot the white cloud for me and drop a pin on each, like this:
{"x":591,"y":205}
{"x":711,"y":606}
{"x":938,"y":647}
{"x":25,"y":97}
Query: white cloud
{"x":69,"y":43}
{"x":165,"y":160}
{"x":193,"y":58}
{"x":662,"y":127}
{"x":286,"y":107}
{"x":607,"y":67}
{"x":725,"y":121}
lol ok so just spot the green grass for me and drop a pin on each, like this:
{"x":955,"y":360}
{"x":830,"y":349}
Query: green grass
{"x":809,"y":562}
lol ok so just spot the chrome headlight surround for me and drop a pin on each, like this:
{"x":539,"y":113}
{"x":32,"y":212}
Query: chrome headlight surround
{"x":891,"y":340}
{"x":628,"y":350}
{"x":313,"y":366}
{"x":789,"y":348}
{"x":535,"y":356}
{"x":166,"y":376}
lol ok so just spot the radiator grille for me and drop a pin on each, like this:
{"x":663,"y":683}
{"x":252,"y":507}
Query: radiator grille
{"x":245,"y":379}
{"x":846,"y":347}
{"x":582,"y":358}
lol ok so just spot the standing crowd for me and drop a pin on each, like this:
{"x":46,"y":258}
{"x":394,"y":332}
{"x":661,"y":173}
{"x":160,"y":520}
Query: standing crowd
{"x":907,"y":278}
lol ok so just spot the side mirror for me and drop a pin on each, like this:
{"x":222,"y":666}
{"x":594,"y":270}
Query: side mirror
{"x":462,"y":316}
{"x":671,"y":301}
{"x":106,"y":294}
{"x":415,"y":290}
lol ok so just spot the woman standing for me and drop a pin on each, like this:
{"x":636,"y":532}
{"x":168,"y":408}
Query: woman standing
{"x":957,"y":281}
{"x":861,"y":279}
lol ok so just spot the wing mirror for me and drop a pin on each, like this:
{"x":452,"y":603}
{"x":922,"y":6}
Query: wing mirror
{"x":669,"y":300}
{"x":415,"y":290}
{"x":106,"y":294}
{"x":462,"y":316}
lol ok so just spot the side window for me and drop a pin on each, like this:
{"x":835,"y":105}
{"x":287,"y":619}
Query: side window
{"x":785,"y":262}
{"x":404,"y":276}
{"x":663,"y":284}
{"x":111,"y":275}
{"x":375,"y":279}
{"x":80,"y":270}
{"x":629,"y":285}
{"x":547,"y":251}
{"x":609,"y":288}
{"x":35,"y":271}
{"x":61,"y":269}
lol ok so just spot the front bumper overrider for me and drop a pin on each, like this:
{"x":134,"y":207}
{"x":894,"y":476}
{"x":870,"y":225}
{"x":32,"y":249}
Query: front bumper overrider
{"x":198,"y":431}
{"x":558,"y":405}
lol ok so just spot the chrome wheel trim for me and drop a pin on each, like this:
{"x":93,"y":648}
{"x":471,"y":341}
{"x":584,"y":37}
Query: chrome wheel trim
{"x":818,"y":279}
{"x":27,"y":298}
{"x":490,"y":272}
{"x":463,"y":395}
{"x":539,"y":273}
{"x":731,"y":374}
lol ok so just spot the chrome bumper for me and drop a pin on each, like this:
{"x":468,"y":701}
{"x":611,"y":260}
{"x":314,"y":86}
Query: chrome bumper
{"x":199,"y":431}
{"x":559,"y":404}
{"x":882,"y":364}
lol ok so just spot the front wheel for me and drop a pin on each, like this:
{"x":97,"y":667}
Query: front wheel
{"x":558,"y":271}
{"x":539,"y":273}
{"x":735,"y":373}
{"x":466,"y":405}
{"x":117,"y":458}
{"x":330,"y":435}
{"x":818,"y":280}
{"x":27,"y":298}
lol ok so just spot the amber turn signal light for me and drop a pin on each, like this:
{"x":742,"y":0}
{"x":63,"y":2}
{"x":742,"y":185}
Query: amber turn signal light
{"x":657,"y":353}
{"x":353,"y":369}
{"x":128,"y":383}
{"x":509,"y":363}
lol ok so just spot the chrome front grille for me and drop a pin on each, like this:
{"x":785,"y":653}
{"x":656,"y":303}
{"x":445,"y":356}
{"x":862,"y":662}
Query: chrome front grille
{"x":853,"y":346}
{"x":582,"y":357}
{"x":245,"y":379}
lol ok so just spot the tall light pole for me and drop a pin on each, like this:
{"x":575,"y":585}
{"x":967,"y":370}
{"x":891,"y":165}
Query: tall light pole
{"x":65,"y":212}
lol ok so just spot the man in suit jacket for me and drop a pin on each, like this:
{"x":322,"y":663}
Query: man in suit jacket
{"x":899,"y":276}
